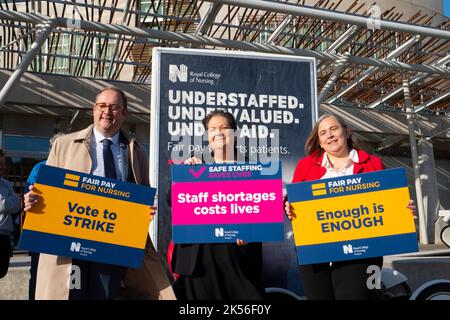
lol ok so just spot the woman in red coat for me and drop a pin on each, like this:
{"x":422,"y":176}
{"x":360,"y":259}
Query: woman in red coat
{"x":330,"y":153}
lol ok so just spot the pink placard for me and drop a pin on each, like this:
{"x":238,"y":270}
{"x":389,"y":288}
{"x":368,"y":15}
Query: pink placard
{"x":227,"y":202}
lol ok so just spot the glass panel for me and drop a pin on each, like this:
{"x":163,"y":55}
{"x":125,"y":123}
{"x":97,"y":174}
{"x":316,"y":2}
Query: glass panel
{"x":146,"y":7}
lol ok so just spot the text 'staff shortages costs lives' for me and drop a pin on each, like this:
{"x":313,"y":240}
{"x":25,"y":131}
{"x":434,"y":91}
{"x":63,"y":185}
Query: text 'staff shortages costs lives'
{"x":88,"y":217}
{"x":225,"y":202}
{"x":352,"y":217}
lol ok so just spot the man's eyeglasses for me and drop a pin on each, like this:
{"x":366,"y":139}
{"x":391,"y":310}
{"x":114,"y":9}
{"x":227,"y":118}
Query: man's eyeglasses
{"x":103,"y":106}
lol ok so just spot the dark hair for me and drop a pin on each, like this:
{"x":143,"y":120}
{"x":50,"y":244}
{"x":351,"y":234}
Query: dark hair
{"x":312,"y":143}
{"x":230,"y":119}
{"x":231,"y":122}
{"x":119,"y":91}
{"x":2,"y":153}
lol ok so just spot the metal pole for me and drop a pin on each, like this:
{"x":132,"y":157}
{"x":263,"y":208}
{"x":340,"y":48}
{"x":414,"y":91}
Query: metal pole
{"x":279,"y":29}
{"x":329,"y":15}
{"x":339,"y":42}
{"x":119,"y":38}
{"x":343,"y":39}
{"x":423,"y":236}
{"x":340,"y":66}
{"x":207,"y":21}
{"x":27,"y":59}
{"x":431,"y":202}
{"x":369,"y":72}
{"x":432,"y":101}
{"x":242,"y":45}
{"x":63,"y":56}
{"x":208,"y":18}
{"x":226,"y":43}
{"x":416,"y":79}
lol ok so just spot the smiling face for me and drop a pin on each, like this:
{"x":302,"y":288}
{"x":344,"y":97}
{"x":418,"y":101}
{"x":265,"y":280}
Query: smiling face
{"x":333,"y":137}
{"x":109,"y":121}
{"x":221,"y":138}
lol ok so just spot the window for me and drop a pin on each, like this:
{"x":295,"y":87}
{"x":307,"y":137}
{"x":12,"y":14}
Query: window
{"x":149,"y":7}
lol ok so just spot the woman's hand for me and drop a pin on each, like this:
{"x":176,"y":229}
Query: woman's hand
{"x":192,"y":161}
{"x":289,"y":210}
{"x":30,"y":198}
{"x":412,"y":207}
{"x":240,"y":242}
{"x":153,"y":210}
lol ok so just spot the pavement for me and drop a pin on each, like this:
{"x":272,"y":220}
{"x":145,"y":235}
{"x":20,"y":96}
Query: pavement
{"x":14,"y":286}
{"x":432,"y":262}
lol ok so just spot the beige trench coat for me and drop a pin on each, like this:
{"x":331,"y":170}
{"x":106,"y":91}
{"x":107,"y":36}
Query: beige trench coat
{"x":149,"y":281}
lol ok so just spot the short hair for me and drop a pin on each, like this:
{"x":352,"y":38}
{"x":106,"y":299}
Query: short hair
{"x":312,"y":143}
{"x":2,"y":153}
{"x":119,"y":91}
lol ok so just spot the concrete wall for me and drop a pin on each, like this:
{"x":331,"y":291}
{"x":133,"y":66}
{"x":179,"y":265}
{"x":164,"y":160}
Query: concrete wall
{"x":41,"y":104}
{"x":39,"y":89}
{"x":46,"y":126}
{"x":419,"y":269}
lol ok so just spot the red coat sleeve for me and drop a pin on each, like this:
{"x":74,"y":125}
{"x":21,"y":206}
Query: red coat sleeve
{"x":308,"y":169}
{"x":376,"y":163}
{"x":299,"y":173}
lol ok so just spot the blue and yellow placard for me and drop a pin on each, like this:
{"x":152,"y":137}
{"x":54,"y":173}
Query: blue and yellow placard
{"x":352,"y":217}
{"x":88,"y":217}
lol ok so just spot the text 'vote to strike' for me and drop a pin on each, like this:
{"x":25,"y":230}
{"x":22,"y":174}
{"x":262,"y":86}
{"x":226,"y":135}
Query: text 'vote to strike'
{"x":89,"y":223}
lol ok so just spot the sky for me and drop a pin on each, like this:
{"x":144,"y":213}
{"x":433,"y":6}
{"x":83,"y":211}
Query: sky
{"x":447,"y":8}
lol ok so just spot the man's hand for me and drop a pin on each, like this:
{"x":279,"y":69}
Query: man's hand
{"x":240,"y":242}
{"x":31,"y":198}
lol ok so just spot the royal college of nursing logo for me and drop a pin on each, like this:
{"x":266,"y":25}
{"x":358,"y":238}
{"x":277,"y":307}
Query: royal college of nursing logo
{"x":178,"y":72}
{"x":75,"y":247}
{"x":347,"y":249}
{"x":218,"y":232}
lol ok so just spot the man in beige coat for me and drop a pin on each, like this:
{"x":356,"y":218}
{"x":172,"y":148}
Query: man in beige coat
{"x":81,"y":151}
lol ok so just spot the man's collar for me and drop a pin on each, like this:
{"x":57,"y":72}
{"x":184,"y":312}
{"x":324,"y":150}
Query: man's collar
{"x":98,"y":137}
{"x":86,"y":135}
